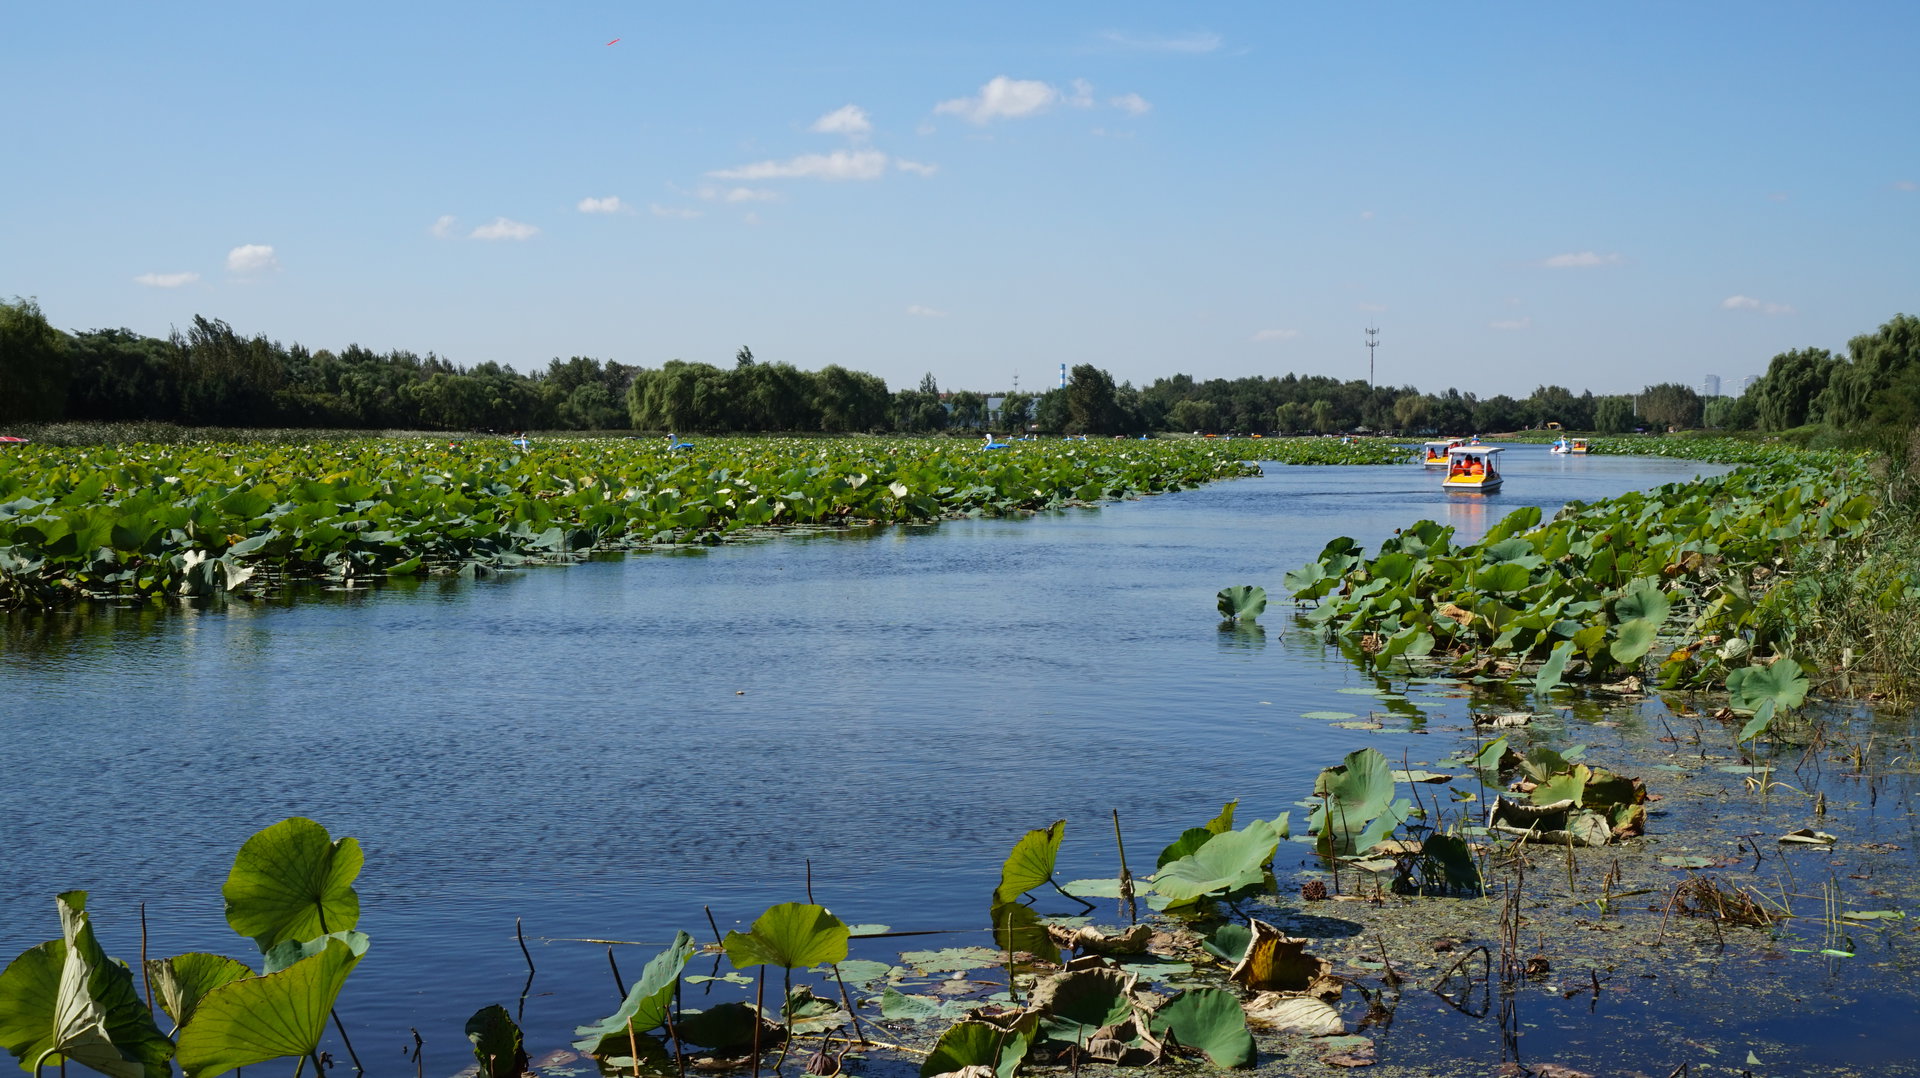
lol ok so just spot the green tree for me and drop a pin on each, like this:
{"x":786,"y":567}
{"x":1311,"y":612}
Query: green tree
{"x":1091,"y":407}
{"x":850,"y":400}
{"x":1857,"y":389}
{"x":1784,"y":396}
{"x":1194,"y":415}
{"x":1050,"y":411}
{"x":969,"y":408}
{"x":1670,"y":405}
{"x":1410,"y":411}
{"x":1613,"y":415}
{"x":1016,"y":409}
{"x":33,"y":370}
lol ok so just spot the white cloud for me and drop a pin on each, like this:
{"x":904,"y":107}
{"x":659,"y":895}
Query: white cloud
{"x":1276,"y":335}
{"x":501,"y":228}
{"x":1082,"y":96}
{"x":1510,"y":323}
{"x":166,"y":280}
{"x":919,"y":311}
{"x":848,"y":120}
{"x":676,"y":212}
{"x":1748,"y":303}
{"x":1131,"y":104}
{"x":738,"y":194}
{"x":838,"y":165}
{"x":443,"y":227}
{"x":1906,"y":185}
{"x":252,"y":258}
{"x":915,"y":167}
{"x":1196,"y":42}
{"x":751,"y":218}
{"x":1581,"y":259}
{"x":1002,"y":99}
{"x":1366,"y":215}
{"x":609,"y":204}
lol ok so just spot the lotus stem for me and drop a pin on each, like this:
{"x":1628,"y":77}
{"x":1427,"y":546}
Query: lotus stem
{"x":717,"y":942}
{"x":146,"y":975}
{"x":786,"y":1012}
{"x":1126,"y":877}
{"x":1084,"y":904}
{"x":759,"y":1010}
{"x":633,"y":1046}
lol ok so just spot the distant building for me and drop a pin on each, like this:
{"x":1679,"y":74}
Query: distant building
{"x":1710,"y":386}
{"x":1743,"y":383}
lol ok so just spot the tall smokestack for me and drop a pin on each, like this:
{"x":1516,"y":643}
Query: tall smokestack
{"x":1063,"y":376}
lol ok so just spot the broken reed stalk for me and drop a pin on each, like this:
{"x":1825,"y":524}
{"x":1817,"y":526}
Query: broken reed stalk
{"x":419,"y":1053}
{"x":847,"y":1002}
{"x":633,"y":1046}
{"x":809,"y":864}
{"x":673,"y":1028}
{"x":1126,"y":877}
{"x":1013,"y":990}
{"x":344,"y":1039}
{"x":618,"y":984}
{"x":521,"y":936}
{"x":716,"y":928}
{"x":146,"y":977}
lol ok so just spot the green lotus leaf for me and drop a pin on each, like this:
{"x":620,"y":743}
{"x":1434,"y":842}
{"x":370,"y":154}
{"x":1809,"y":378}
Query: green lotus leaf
{"x":1643,"y":600}
{"x":1190,"y":840}
{"x":1243,"y":602}
{"x":1784,"y":683}
{"x":1225,"y":862}
{"x":980,"y":1044}
{"x":792,"y":935}
{"x":1209,"y":1020}
{"x":647,"y":1004}
{"x":286,"y":953}
{"x":179,"y":982}
{"x":1504,"y":577}
{"x":898,"y":1006}
{"x":291,"y":881}
{"x":1451,"y":855}
{"x":729,"y":1025}
{"x":1031,"y":862}
{"x":496,"y":1043}
{"x":1105,"y":888}
{"x":65,"y":999}
{"x":255,"y":1019}
{"x":1310,"y":581}
{"x":1550,"y":671}
{"x":1228,"y":941}
{"x":950,"y":959}
{"x":1633,"y":640}
{"x":1354,"y":794}
{"x":1075,"y":1006}
{"x":1761,"y":722}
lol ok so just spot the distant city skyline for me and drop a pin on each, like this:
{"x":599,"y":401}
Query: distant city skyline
{"x":1513,"y":196}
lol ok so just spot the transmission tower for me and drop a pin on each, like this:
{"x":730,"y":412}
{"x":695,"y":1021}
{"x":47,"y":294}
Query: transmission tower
{"x":1373,"y":341}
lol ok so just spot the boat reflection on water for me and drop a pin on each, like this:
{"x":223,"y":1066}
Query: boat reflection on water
{"x":1470,"y":518}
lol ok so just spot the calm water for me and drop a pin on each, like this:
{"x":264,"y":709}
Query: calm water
{"x":602,"y":749}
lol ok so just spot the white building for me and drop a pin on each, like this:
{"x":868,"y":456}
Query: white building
{"x":1710,"y":386}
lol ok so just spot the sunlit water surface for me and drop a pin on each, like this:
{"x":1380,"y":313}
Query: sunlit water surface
{"x":604,"y":749}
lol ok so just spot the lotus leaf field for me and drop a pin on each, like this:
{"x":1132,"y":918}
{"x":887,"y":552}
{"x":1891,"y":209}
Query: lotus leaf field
{"x":141,"y":522}
{"x":1686,"y":572}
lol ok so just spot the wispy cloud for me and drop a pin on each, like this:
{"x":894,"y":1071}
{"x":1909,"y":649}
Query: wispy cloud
{"x":1198,"y":41}
{"x":1131,"y":104}
{"x":610,"y":204}
{"x":1002,"y":99}
{"x":1748,"y":303}
{"x":838,"y":165}
{"x":166,"y":280}
{"x":848,"y":120}
{"x":1906,"y":185}
{"x":500,"y":228}
{"x":678,"y":213}
{"x":1510,"y":323}
{"x":916,"y":167}
{"x":444,"y":226}
{"x":1366,"y":215}
{"x":1581,"y":260}
{"x":252,"y":258}
{"x":919,"y":311}
{"x":1082,"y":95}
{"x":738,"y":194}
{"x":1276,"y":335}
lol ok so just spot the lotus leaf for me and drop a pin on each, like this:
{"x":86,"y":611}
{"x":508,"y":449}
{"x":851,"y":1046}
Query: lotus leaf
{"x":286,"y":953}
{"x":973,"y":1043}
{"x":1357,"y":807}
{"x":1031,"y":862}
{"x":1556,"y":665}
{"x":1295,"y":1014}
{"x":1209,"y":1020}
{"x":1761,"y":722}
{"x":897,"y":1006}
{"x":1634,"y":640}
{"x":951,"y":959}
{"x":255,"y":1019}
{"x":180,"y":981}
{"x":1784,"y":683}
{"x":792,"y":935}
{"x":65,"y":999}
{"x":728,"y":1026}
{"x":1643,"y":600}
{"x":1448,"y":860}
{"x":647,"y":1003}
{"x":1224,"y":862}
{"x":1227,"y":941}
{"x":1274,"y":960}
{"x":1076,"y":1007}
{"x":291,"y":881}
{"x":1243,"y":602}
{"x":1016,"y":928}
{"x":496,"y":1043}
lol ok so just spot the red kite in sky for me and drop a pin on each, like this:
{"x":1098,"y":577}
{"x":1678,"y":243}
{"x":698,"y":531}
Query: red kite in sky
{"x":615,"y":41}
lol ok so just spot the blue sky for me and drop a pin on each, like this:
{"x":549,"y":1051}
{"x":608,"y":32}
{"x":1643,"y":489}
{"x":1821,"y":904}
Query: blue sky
{"x":1598,"y":196}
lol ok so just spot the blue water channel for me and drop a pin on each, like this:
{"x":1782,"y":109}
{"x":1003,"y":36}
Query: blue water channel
{"x":603,"y":749}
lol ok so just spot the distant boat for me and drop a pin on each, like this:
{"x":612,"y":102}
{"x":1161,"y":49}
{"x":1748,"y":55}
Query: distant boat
{"x":1564,"y":445}
{"x":991,"y":444}
{"x":1473,"y":469}
{"x":673,"y":443}
{"x":13,"y":440}
{"x":1435,"y":454}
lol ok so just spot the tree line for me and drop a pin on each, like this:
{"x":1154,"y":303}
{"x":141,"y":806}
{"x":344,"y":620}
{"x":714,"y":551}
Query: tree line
{"x":210,"y":375}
